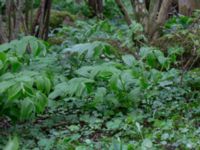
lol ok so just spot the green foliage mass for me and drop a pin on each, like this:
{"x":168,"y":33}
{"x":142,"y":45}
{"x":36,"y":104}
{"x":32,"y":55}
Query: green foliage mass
{"x":22,"y":91}
{"x":99,"y":88}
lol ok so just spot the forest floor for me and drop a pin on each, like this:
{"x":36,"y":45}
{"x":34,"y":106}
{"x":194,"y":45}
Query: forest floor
{"x":105,"y":99}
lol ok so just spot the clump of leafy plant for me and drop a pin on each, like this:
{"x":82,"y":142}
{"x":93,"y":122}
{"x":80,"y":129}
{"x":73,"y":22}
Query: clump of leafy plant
{"x":116,"y":34}
{"x":23,"y":92}
{"x":183,"y":31}
{"x":119,"y":84}
{"x":177,"y":23}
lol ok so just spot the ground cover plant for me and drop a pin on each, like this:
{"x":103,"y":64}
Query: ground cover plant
{"x":100,"y":84}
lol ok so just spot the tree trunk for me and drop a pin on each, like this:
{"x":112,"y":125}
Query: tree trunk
{"x":96,"y":7}
{"x":141,"y":12}
{"x":154,"y":8}
{"x":29,"y":15}
{"x":186,"y":7}
{"x":152,"y":14}
{"x":9,"y":18}
{"x":15,"y":19}
{"x":41,"y":23}
{"x":163,"y":13}
{"x":123,"y":11}
{"x":162,"y":17}
{"x":3,"y":37}
{"x":19,"y":19}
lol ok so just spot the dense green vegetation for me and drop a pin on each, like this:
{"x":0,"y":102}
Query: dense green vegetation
{"x":99,"y":84}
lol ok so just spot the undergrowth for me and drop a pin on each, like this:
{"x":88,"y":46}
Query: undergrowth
{"x":86,"y":93}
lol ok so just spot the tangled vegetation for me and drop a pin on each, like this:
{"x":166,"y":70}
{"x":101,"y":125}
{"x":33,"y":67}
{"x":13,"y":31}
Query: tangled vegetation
{"x":100,"y":84}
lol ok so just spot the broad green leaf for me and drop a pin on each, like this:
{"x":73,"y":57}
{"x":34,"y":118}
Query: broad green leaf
{"x":114,"y":124}
{"x":15,"y":63}
{"x":34,"y":47}
{"x":27,"y":109}
{"x":46,"y":143}
{"x":84,"y":71}
{"x":47,"y":84}
{"x":147,"y":144}
{"x":77,"y":86}
{"x":14,"y":92}
{"x":27,"y":89}
{"x":129,"y":60}
{"x":165,"y":136}
{"x":13,"y":144}
{"x":127,"y":78}
{"x":81,"y":148}
{"x":74,"y":128}
{"x":40,"y":102}
{"x":161,"y":58}
{"x":21,"y":47}
{"x":165,"y":83}
{"x":24,"y":78}
{"x":100,"y":93}
{"x":91,"y":49}
{"x":60,"y":90}
{"x":40,"y":83}
{"x":43,"y":84}
{"x":135,"y":95}
{"x":4,"y":85}
{"x":1,"y":65}
{"x":5,"y":47}
{"x":3,"y":56}
{"x":42,"y":48}
{"x":105,"y":71}
{"x":144,"y":52}
{"x":115,"y":83}
{"x":7,"y":76}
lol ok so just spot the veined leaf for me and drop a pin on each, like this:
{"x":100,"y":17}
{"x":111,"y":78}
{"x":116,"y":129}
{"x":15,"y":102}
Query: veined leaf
{"x":105,"y":70}
{"x":27,"y":108}
{"x":21,"y":47}
{"x":14,"y":92}
{"x":3,"y":56}
{"x":77,"y":86}
{"x":43,"y":84}
{"x":34,"y":47}
{"x":15,"y":63}
{"x":59,"y":90}
{"x":74,"y":87}
{"x":40,"y":83}
{"x":5,"y":85}
{"x":40,"y":102}
{"x":100,"y":93}
{"x":94,"y":49}
{"x":129,"y":60}
{"x":1,"y":65}
{"x":115,"y":83}
{"x":12,"y":144}
{"x":47,"y":84}
{"x":5,"y":47}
